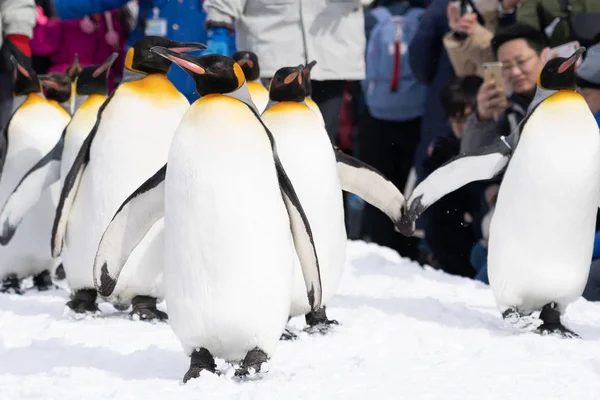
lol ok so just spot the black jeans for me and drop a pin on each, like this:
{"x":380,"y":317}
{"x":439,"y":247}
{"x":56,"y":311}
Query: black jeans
{"x":390,"y":148}
{"x":329,"y":96}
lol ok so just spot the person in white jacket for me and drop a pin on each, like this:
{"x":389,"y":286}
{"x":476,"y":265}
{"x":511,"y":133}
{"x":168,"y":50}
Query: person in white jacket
{"x":292,"y":32}
{"x":17,"y":19}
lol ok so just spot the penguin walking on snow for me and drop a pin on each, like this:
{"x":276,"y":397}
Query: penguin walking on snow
{"x":541,"y":234}
{"x":129,"y":141}
{"x":320,"y":172}
{"x":230,"y":263}
{"x":33,"y":129}
{"x":249,"y":63}
{"x":91,"y":90}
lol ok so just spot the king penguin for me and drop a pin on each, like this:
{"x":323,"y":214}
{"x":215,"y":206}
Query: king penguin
{"x":300,"y":136}
{"x":233,"y":224}
{"x":308,"y":90}
{"x":541,"y":233}
{"x":249,"y":63}
{"x":60,"y":87}
{"x":129,"y":141}
{"x":91,"y":92}
{"x":33,"y":129}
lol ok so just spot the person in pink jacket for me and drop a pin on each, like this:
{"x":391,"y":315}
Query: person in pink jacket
{"x":92,"y":38}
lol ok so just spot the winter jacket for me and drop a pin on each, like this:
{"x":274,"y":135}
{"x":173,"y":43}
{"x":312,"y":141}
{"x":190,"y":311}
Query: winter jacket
{"x":483,"y":133}
{"x":541,"y":13}
{"x":60,"y":40}
{"x":290,"y":32}
{"x":467,"y":56}
{"x":17,"y":17}
{"x":185,"y":23}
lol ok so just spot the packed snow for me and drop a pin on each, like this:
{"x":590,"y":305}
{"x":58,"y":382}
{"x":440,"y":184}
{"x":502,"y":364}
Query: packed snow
{"x":405,"y":333}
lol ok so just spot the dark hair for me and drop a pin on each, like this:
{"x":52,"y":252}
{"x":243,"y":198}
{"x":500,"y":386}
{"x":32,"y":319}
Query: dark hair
{"x":534,"y":38}
{"x":458,"y":93}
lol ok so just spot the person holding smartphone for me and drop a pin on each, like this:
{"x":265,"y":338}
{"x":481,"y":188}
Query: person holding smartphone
{"x":522,"y":50}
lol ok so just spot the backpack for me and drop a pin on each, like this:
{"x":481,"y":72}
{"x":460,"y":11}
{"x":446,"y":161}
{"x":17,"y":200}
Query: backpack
{"x":391,"y":91}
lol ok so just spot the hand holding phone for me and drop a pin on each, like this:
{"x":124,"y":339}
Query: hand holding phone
{"x":491,"y":98}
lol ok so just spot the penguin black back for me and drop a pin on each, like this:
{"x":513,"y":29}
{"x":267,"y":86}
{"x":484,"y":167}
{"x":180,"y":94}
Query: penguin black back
{"x":288,"y":84}
{"x":306,"y":77}
{"x":249,"y":63}
{"x":139,"y":58}
{"x":559,"y":72}
{"x":94,"y":78}
{"x":25,"y":79}
{"x":213,"y":73}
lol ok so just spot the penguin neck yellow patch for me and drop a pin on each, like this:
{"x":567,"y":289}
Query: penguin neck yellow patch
{"x":57,"y":105}
{"x":239,"y":74}
{"x":33,"y":98}
{"x":92,"y":100}
{"x":156,"y":85}
{"x":289,"y":106}
{"x":565,"y":95}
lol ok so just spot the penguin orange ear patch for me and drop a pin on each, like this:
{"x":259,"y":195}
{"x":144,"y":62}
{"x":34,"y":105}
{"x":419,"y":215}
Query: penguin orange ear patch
{"x":290,"y":78}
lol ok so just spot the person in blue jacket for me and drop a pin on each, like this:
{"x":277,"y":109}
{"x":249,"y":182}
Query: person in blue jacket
{"x":181,"y":20}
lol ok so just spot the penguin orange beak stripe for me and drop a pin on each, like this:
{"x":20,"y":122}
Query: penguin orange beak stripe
{"x":245,"y":61}
{"x":18,"y":66}
{"x":49,"y":83}
{"x":290,"y":78}
{"x":105,"y":65}
{"x":179,"y":59}
{"x":567,"y":64}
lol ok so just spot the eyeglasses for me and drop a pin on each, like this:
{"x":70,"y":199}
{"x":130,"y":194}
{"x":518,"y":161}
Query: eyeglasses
{"x":518,"y":63}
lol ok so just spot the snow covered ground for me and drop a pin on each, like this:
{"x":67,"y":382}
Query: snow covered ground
{"x":405,"y":333}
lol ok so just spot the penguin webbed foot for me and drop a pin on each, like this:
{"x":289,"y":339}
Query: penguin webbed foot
{"x":288,"y":335}
{"x":43,"y":281}
{"x":83,"y":301}
{"x":201,"y":360}
{"x":11,"y":284}
{"x":144,"y":309}
{"x":318,"y":322}
{"x":517,"y":318}
{"x":551,"y":325}
{"x":59,"y":273}
{"x":254,"y":365}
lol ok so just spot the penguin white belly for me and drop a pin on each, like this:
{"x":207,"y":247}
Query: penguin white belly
{"x":229,"y":250}
{"x":129,"y":147}
{"x":541,"y":234}
{"x":259,"y":95}
{"x":306,"y":154}
{"x":80,"y":126}
{"x":315,"y":108}
{"x":34,"y":130}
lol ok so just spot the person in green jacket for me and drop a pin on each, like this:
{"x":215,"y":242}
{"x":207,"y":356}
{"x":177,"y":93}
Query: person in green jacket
{"x":543,"y":14}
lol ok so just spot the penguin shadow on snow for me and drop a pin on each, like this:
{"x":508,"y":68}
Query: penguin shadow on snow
{"x":449,"y":314}
{"x":150,"y":363}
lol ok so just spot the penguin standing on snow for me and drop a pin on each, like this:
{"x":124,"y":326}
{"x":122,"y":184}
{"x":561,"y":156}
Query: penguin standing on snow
{"x":541,"y":234}
{"x":129,"y":141}
{"x":300,"y":136}
{"x":230,"y":263}
{"x":91,"y":92}
{"x":249,"y":63}
{"x":33,"y":129}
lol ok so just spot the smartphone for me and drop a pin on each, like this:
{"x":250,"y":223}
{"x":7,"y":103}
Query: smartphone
{"x":564,"y":50}
{"x":493,"y":71}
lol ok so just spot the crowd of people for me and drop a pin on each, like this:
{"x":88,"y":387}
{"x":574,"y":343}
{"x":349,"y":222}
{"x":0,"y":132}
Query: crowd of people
{"x":404,"y":103}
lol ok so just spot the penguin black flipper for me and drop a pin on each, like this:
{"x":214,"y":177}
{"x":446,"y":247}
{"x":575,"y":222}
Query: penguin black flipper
{"x":481,"y":164}
{"x":28,"y":191}
{"x":138,"y":213}
{"x":301,"y":231}
{"x":71,"y":185}
{"x":370,"y":185}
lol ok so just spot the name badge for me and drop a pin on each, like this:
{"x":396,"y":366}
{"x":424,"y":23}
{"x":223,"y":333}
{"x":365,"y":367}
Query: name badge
{"x":156,"y":27}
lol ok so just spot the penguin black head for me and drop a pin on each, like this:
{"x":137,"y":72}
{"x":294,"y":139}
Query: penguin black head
{"x":213,"y":73}
{"x":94,"y":78}
{"x":559,"y":72}
{"x":74,"y":69}
{"x":25,"y":79}
{"x":288,"y":84}
{"x":249,"y":63}
{"x":306,"y":77}
{"x":139,"y":58}
{"x":58,"y":86}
